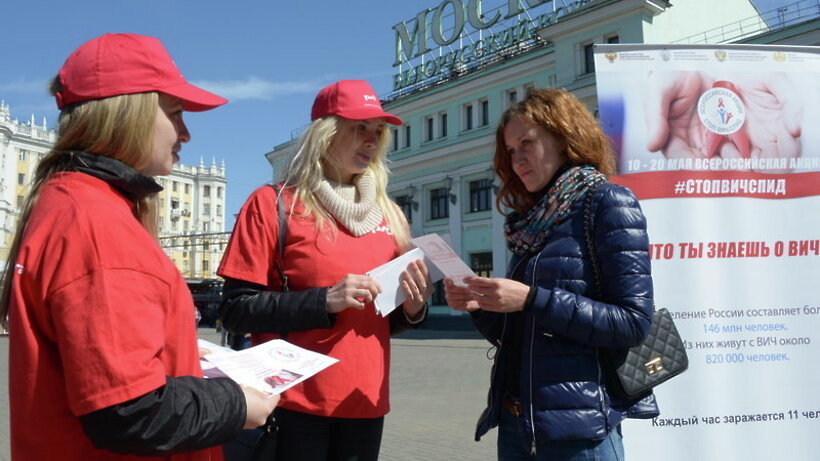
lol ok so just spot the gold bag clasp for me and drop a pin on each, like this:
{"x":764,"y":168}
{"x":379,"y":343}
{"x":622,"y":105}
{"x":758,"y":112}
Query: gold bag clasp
{"x":653,"y":366}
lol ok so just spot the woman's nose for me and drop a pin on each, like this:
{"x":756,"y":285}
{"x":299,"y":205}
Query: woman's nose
{"x":184,"y":134}
{"x":371,"y":140}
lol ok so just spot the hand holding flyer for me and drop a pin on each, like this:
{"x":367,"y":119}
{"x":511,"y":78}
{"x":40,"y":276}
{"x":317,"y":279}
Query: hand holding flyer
{"x":389,"y":277}
{"x":444,"y":258}
{"x":271,"y":367}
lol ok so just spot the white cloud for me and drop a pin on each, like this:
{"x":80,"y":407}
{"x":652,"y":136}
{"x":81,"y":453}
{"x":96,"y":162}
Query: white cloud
{"x":25,"y":86}
{"x":256,"y":88}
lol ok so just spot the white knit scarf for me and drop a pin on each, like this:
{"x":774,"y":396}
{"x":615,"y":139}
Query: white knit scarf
{"x":353,"y":205}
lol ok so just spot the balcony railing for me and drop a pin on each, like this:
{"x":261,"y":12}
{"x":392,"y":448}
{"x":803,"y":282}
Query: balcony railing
{"x":779,"y":18}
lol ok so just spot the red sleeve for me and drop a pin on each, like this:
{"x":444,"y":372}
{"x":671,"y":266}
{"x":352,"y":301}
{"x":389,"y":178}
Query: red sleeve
{"x":253,"y":245}
{"x":110,"y":328}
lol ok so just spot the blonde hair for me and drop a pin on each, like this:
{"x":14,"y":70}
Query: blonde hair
{"x":119,"y":127}
{"x":307,"y":170}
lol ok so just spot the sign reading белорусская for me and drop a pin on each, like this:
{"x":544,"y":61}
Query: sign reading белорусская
{"x":421,"y":38}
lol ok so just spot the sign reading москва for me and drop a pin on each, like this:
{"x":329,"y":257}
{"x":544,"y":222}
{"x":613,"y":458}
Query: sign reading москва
{"x":463,"y":20}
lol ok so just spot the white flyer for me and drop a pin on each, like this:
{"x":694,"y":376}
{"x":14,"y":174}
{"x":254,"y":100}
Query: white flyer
{"x":444,"y":258}
{"x":389,"y":277}
{"x":272,"y":367}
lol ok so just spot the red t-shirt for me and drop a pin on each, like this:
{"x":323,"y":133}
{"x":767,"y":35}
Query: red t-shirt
{"x":357,"y":386}
{"x":98,"y":316}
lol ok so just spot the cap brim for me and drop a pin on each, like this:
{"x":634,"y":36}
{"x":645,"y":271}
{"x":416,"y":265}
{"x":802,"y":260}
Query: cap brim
{"x":194,"y":99}
{"x":365,"y":113}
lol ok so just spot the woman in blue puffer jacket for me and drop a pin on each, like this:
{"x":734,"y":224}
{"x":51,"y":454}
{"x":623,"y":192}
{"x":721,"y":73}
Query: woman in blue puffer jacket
{"x":549,"y":391}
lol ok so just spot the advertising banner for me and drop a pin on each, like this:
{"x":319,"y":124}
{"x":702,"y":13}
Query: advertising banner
{"x":721,"y":145}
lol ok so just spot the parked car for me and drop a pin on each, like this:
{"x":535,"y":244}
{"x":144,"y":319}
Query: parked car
{"x":207,"y":296}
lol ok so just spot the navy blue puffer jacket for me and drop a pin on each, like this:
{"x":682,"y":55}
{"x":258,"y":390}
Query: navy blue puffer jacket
{"x":566,"y":331}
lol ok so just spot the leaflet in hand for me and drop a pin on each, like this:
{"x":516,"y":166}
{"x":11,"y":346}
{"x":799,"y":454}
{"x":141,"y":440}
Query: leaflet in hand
{"x":272,"y":367}
{"x":444,"y":258}
{"x":389,"y":277}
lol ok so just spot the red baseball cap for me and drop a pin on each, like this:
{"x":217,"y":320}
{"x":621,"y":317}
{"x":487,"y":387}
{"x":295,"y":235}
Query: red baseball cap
{"x":117,"y":64}
{"x":351,"y":99}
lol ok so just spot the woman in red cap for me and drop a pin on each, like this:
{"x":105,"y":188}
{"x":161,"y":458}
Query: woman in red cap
{"x":103,"y":347}
{"x":339,"y":223}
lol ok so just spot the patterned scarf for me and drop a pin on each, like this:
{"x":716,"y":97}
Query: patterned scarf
{"x":528,"y":232}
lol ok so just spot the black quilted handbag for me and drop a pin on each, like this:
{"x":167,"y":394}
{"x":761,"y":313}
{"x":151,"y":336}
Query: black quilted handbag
{"x":660,"y":357}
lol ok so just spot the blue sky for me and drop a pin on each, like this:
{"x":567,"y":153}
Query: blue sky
{"x":268,"y":57}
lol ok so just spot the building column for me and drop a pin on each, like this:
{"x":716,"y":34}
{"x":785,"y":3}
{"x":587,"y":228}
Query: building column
{"x":456,"y":229}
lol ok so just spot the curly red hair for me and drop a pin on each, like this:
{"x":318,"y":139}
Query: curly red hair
{"x":567,"y":119}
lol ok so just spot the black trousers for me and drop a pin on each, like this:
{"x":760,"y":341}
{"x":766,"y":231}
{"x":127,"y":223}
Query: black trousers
{"x":304,"y":437}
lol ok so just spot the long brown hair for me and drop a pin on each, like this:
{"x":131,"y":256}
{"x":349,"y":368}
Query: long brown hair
{"x":575,"y":129}
{"x":120,"y":127}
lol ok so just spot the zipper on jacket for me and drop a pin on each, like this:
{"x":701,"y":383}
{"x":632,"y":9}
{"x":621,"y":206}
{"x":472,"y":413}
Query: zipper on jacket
{"x":490,"y":402}
{"x":532,"y":346}
{"x":601,"y":389}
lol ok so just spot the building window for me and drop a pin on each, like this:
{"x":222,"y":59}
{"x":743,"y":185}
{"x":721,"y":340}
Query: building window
{"x":613,"y":39}
{"x":206,"y":191}
{"x":174,"y":204}
{"x":19,"y":201}
{"x":185,"y":225}
{"x":439,"y":208}
{"x":480,"y":193}
{"x":218,"y":192}
{"x":21,"y":179}
{"x":438,"y":294}
{"x":485,"y":112}
{"x":174,"y":186}
{"x":206,"y":245}
{"x":206,"y":227}
{"x":512,"y":97}
{"x":21,"y":155}
{"x":206,"y":209}
{"x":468,"y":117}
{"x":187,"y":188}
{"x":205,"y":265}
{"x":589,"y":58}
{"x":405,"y":202}
{"x":482,"y":264}
{"x":407,"y":136}
{"x":219,"y":210}
{"x":395,"y":139}
{"x":428,"y":135}
{"x":442,"y":125}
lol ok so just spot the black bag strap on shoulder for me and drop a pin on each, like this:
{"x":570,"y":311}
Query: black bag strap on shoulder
{"x":589,"y":225}
{"x":283,"y":232}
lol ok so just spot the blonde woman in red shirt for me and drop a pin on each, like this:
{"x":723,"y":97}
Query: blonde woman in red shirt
{"x":103,"y":349}
{"x":339,"y":224}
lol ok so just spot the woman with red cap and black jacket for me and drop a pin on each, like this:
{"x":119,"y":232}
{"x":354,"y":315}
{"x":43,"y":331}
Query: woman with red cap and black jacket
{"x":101,"y":324}
{"x":339,"y":223}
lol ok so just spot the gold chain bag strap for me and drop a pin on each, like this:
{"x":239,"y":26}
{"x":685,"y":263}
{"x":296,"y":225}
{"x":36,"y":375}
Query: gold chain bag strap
{"x":660,"y":356}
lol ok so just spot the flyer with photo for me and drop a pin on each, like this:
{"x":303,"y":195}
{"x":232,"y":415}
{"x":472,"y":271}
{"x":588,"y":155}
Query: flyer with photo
{"x":271,"y":367}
